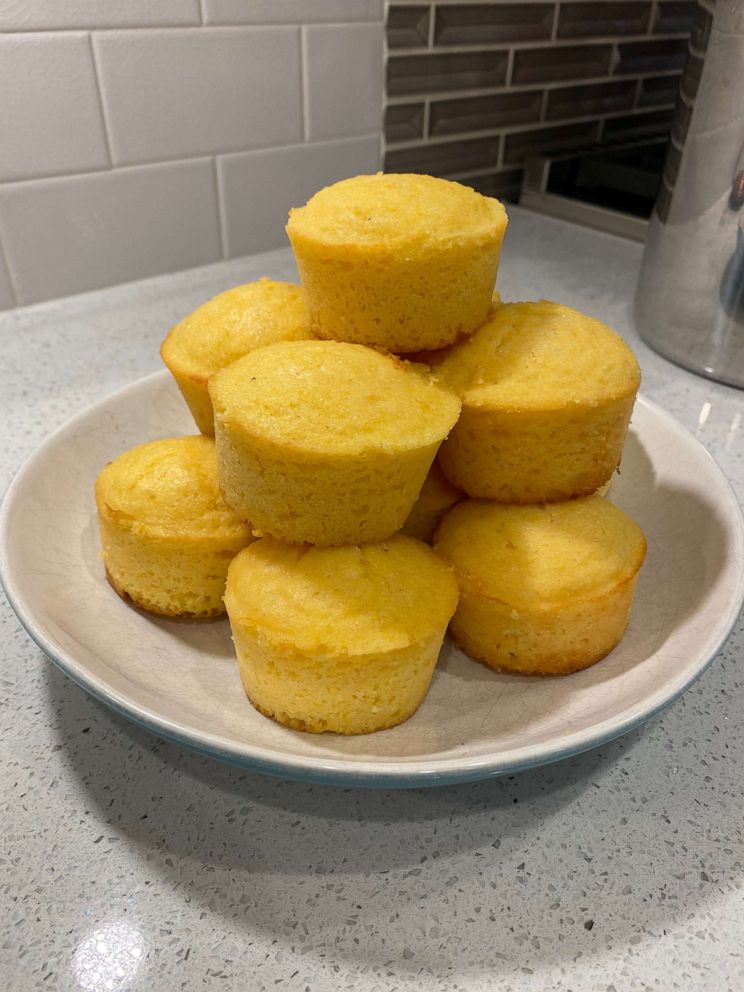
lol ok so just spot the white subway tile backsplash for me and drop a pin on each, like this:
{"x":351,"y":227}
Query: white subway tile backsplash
{"x":71,"y":234}
{"x":47,"y":15}
{"x":290,"y":11}
{"x":50,"y":116}
{"x":7,"y":296}
{"x":174,"y":93}
{"x":144,"y":136}
{"x":258,"y":188}
{"x":343,"y":79}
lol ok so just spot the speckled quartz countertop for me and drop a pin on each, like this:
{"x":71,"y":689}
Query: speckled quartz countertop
{"x":619,"y":870}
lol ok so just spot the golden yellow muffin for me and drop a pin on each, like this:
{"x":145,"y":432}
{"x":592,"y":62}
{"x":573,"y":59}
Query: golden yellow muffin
{"x":339,"y":639}
{"x":436,"y":499}
{"x":226,"y":328}
{"x":167,"y":534}
{"x":401,"y":262}
{"x":543,"y":589}
{"x":325,"y":443}
{"x":437,"y":496}
{"x":547,"y":395}
{"x":435,"y":358}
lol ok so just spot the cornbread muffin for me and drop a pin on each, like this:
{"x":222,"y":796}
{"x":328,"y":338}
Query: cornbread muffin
{"x":543,"y":589}
{"x":401,"y":262}
{"x":547,"y":395}
{"x":339,"y":639}
{"x":226,"y":328}
{"x":437,"y":496}
{"x":435,"y":358}
{"x":167,"y":534}
{"x":325,"y":443}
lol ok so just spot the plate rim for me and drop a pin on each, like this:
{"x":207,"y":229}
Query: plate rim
{"x":389,"y":773}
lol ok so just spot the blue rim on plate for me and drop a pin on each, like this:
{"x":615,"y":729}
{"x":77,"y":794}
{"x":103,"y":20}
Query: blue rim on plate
{"x":389,"y":774}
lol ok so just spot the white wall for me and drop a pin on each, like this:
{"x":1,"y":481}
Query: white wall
{"x":146,"y":136}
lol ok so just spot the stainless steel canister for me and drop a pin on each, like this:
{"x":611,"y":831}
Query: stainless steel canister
{"x":690,"y":296}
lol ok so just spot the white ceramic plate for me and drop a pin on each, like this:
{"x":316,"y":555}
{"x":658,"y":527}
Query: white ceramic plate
{"x":180,"y":680}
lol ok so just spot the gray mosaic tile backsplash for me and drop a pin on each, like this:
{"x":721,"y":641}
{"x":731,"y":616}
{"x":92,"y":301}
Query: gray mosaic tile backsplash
{"x":475,"y":89}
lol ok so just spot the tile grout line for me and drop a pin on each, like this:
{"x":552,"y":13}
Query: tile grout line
{"x":653,"y":18}
{"x":486,"y":170}
{"x":535,"y":44}
{"x":544,"y":105}
{"x":637,"y":94}
{"x":175,"y":25}
{"x":508,"y":80}
{"x":528,"y":126}
{"x":475,"y":3}
{"x":431,"y":32}
{"x":385,"y":57}
{"x":183,"y":159}
{"x":119,"y":28}
{"x":101,"y":102}
{"x":5,"y":260}
{"x":556,"y":16}
{"x":221,"y":206}
{"x":304,"y":85}
{"x":398,"y":99}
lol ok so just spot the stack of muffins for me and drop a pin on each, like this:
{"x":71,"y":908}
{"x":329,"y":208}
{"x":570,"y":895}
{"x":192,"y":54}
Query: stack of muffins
{"x":390,"y":401}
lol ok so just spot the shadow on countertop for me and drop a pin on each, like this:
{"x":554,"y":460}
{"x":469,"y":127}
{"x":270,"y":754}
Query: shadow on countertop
{"x":571,"y":859}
